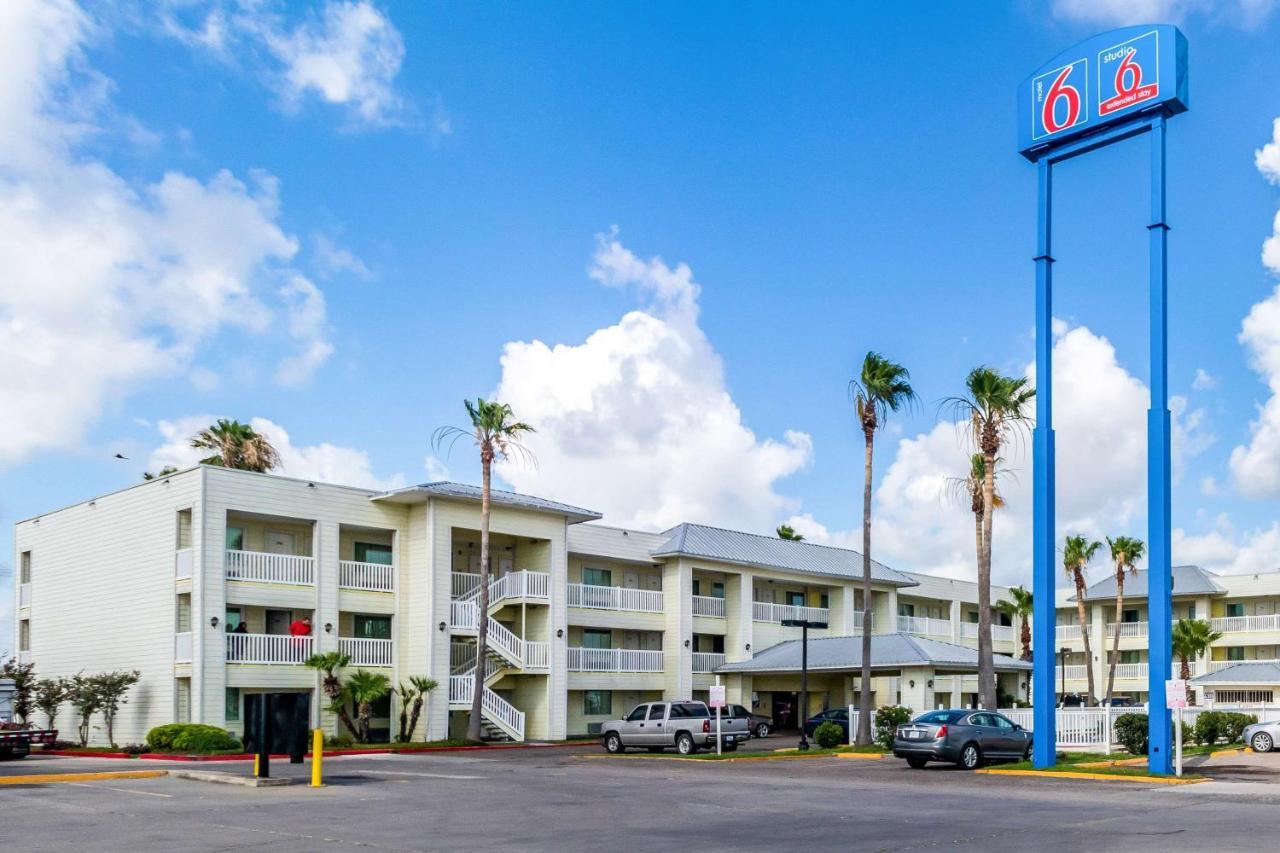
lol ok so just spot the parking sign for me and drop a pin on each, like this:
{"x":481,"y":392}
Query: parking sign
{"x":1175,"y":692}
{"x":717,"y":696}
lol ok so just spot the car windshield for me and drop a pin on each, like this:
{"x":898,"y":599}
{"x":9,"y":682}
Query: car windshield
{"x":940,"y":718}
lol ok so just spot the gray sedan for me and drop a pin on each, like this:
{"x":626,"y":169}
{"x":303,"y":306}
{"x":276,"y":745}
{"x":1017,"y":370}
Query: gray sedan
{"x":965,"y":737}
{"x":1262,"y":737}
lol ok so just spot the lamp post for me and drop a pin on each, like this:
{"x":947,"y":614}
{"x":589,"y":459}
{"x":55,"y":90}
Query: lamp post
{"x":804,"y":625}
{"x":1064,"y":651}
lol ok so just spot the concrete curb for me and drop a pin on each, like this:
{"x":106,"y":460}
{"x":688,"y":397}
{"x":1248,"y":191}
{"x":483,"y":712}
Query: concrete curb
{"x":708,"y":760}
{"x":227,"y":779}
{"x":871,"y":755}
{"x":1101,"y":777}
{"x":50,"y":778}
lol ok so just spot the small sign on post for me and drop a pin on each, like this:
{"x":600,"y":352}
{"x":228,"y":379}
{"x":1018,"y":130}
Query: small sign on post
{"x":717,"y":702}
{"x":1175,"y":692}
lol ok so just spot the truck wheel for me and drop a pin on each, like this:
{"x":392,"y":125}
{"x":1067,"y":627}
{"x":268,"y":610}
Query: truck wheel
{"x":613,"y":744}
{"x":685,"y":744}
{"x":762,"y":730}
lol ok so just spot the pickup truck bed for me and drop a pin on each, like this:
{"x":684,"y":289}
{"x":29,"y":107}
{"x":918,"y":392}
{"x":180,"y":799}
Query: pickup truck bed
{"x":16,"y":743}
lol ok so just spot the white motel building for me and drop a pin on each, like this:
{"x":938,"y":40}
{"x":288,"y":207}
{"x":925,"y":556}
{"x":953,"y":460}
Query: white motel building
{"x":195,"y":579}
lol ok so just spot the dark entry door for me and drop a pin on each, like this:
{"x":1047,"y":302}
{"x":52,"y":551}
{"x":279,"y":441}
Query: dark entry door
{"x":786,"y":710}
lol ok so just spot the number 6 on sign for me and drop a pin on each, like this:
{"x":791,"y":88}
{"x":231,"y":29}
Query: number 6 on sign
{"x":1058,"y":98}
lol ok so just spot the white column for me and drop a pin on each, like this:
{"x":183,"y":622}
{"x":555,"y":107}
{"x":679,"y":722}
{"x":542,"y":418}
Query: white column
{"x":955,"y":622}
{"x":677,"y":602}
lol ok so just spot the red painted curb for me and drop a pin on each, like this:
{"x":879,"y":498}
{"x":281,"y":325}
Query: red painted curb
{"x":241,"y":756}
{"x":84,"y":753}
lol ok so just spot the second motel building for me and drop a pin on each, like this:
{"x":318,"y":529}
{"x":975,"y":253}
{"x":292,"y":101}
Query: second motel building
{"x":195,"y":580}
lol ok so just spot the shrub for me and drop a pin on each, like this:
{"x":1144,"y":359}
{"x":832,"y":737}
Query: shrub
{"x":1209,"y":727}
{"x":134,"y":748}
{"x":340,"y":742}
{"x":829,"y":735}
{"x":1188,"y":733}
{"x":190,"y":737}
{"x":1234,"y":724}
{"x":1131,"y":733}
{"x":887,"y":721}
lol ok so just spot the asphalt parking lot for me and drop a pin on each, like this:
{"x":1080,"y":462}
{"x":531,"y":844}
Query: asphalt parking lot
{"x":578,"y":799}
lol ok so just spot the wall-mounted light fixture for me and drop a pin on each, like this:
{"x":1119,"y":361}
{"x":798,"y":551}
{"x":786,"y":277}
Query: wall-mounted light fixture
{"x":748,"y":647}
{"x":311,"y":485}
{"x":443,"y":626}
{"x":930,"y":682}
{"x":559,"y":633}
{"x":328,"y":627}
{"x":686,"y":644}
{"x":213,"y":621}
{"x":911,"y":683}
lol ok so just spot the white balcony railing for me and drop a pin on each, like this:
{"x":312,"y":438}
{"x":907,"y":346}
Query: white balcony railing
{"x":268,"y":648}
{"x":764,"y":611}
{"x":367,"y":652}
{"x":521,"y":584}
{"x":182,"y":647}
{"x":464,"y":583}
{"x":1217,"y":665}
{"x":372,"y":577}
{"x":1127,"y":629}
{"x":492,"y":706}
{"x":857,"y":620}
{"x":183,"y":561}
{"x":270,"y":568}
{"x":614,"y":660}
{"x":706,"y":605}
{"x":707,"y":661}
{"x":1075,"y":672}
{"x":24,"y":595}
{"x":925,"y":625}
{"x":615,"y":598}
{"x":1246,"y":624}
{"x":999,"y":633}
{"x":1063,"y":633}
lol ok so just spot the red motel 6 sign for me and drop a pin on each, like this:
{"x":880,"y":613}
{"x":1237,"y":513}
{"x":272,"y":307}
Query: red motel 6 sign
{"x":1099,"y":82}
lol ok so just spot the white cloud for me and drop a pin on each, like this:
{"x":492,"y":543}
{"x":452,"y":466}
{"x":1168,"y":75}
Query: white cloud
{"x":1246,"y":13}
{"x":324,"y":462}
{"x":1209,"y":487}
{"x":1267,"y":158}
{"x":1204,"y":380}
{"x":636,"y":421}
{"x":333,"y":260}
{"x":436,"y":470}
{"x":109,"y":283}
{"x":1222,"y":551}
{"x":306,"y":311}
{"x":1255,"y":468}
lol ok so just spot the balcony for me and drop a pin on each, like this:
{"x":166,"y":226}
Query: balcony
{"x":999,"y":633}
{"x":1129,"y":671}
{"x":706,"y":605}
{"x":24,"y":595}
{"x":1074,"y":672}
{"x":764,"y":611}
{"x":925,"y":625}
{"x":270,"y":568}
{"x":1064,"y":633}
{"x":182,"y":647}
{"x":370,"y":577}
{"x":615,"y":598}
{"x":614,"y":660}
{"x":268,"y":649}
{"x":183,"y":561}
{"x":365,"y":652}
{"x":1246,"y":624}
{"x":1217,"y":665}
{"x":1127,"y":630}
{"x":707,"y":661}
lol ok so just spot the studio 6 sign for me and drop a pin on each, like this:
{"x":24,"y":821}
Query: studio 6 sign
{"x":1100,"y":82}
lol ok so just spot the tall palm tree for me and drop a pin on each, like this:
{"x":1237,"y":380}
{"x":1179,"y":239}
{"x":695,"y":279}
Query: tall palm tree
{"x":882,"y":386}
{"x":328,"y":664}
{"x":1125,"y":554}
{"x":497,"y":434}
{"x":1019,"y":606}
{"x":1076,"y":554}
{"x":971,"y":488}
{"x":363,"y":688}
{"x":1192,"y":639}
{"x":236,"y":445}
{"x":993,"y":411}
{"x":786,"y":531}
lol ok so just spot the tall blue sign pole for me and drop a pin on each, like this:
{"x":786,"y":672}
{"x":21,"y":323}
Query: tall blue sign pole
{"x":1115,"y":86}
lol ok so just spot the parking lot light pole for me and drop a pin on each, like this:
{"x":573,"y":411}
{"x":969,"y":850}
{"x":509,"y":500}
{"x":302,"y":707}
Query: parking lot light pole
{"x":804,"y":625}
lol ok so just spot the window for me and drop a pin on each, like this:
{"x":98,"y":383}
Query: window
{"x":906,"y":609}
{"x":24,"y":635}
{"x":183,"y":616}
{"x":697,"y":587}
{"x":597,"y":702}
{"x":24,"y":572}
{"x":595,"y":638}
{"x":597,"y":577}
{"x":657,"y":712}
{"x":795,"y":599}
{"x":941,"y":717}
{"x":688,"y":709}
{"x":381,"y":707}
{"x":971,"y":617}
{"x":1000,"y":722}
{"x":1130,"y":656}
{"x":637,"y":714}
{"x":232,"y":712}
{"x":372,"y":552}
{"x":233,"y":618}
{"x":1191,"y":610}
{"x":717,"y":644}
{"x":824,"y":600}
{"x":1235,"y":653}
{"x":1235,"y":609}
{"x":372,"y":627}
{"x":980,"y":720}
{"x":235,"y":538}
{"x":1129,"y":616}
{"x":717,"y":589}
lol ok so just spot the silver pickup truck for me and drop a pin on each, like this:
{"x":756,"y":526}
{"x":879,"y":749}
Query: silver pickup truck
{"x":687,"y":726}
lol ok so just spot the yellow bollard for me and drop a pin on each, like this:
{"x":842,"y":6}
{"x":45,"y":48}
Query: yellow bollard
{"x":255,"y":765}
{"x":317,"y":758}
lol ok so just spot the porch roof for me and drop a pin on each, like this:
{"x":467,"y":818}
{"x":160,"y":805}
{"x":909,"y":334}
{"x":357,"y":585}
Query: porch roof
{"x":1243,"y":672}
{"x":499,"y":497}
{"x":888,"y":651}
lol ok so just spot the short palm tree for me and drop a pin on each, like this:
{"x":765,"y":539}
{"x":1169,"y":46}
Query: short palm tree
{"x":236,"y":445}
{"x":882,"y":386}
{"x":497,"y":434}
{"x":328,"y":664}
{"x":971,"y":488}
{"x":994,"y":412}
{"x":362,"y":689}
{"x":1125,"y":554}
{"x":786,"y":531}
{"x":1076,"y":554}
{"x":411,"y":697}
{"x":1019,"y":606}
{"x":1192,"y":639}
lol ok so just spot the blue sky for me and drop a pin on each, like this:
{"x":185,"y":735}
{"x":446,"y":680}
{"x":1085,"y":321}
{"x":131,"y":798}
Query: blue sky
{"x":344,"y":218}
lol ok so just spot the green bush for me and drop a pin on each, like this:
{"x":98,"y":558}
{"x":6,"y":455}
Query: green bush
{"x":190,"y":737}
{"x":340,"y":741}
{"x":1188,"y":733}
{"x":829,"y":735}
{"x":1234,"y":724}
{"x":1210,"y":726}
{"x":1131,"y":733}
{"x":888,"y":719}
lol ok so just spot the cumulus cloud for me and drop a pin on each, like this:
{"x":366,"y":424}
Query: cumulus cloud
{"x":1224,"y":551}
{"x":636,"y":420}
{"x":1267,"y":158}
{"x":324,"y":462}
{"x":1246,"y":13}
{"x":1204,"y":381}
{"x":333,"y":260}
{"x":1255,"y":467}
{"x":107,"y":282}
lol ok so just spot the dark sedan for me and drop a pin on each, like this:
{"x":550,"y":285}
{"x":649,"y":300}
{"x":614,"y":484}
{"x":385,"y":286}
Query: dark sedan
{"x":839,"y":716}
{"x":964,"y":737}
{"x":758,"y":725}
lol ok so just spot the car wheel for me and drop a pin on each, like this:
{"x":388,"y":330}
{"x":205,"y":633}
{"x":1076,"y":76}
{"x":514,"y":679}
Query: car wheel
{"x":613,"y":744}
{"x":762,"y":730}
{"x":970,"y":757}
{"x":684,"y":744}
{"x":917,"y":763}
{"x":1262,"y":742}
{"x":1026,"y":756}
{"x":733,"y":747}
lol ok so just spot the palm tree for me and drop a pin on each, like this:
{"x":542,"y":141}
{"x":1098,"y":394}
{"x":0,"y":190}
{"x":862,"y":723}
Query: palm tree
{"x":993,"y":411}
{"x":236,"y":445}
{"x":1125,"y":554}
{"x":1076,"y":554}
{"x":363,"y":688}
{"x":786,"y":531}
{"x":1192,"y":639}
{"x":971,"y":488}
{"x":497,"y":433}
{"x":328,"y":663}
{"x":882,"y":386}
{"x":1019,"y":606}
{"x":164,"y":472}
{"x":412,"y":694}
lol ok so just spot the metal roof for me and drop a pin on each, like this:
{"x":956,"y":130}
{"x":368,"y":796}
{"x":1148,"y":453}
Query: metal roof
{"x":753,"y":549}
{"x":468,"y":492}
{"x":1243,"y":672}
{"x":1187,"y":580}
{"x":888,"y":651}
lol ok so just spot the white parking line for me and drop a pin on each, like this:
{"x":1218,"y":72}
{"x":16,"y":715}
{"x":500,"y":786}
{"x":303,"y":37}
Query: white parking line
{"x":121,"y":790}
{"x":422,"y":775}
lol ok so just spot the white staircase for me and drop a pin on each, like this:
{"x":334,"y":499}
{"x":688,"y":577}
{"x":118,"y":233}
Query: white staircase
{"x":498,"y":716}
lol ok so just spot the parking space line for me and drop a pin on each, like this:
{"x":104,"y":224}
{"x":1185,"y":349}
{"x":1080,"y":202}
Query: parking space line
{"x":422,"y":775}
{"x":121,"y":790}
{"x":47,"y":778}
